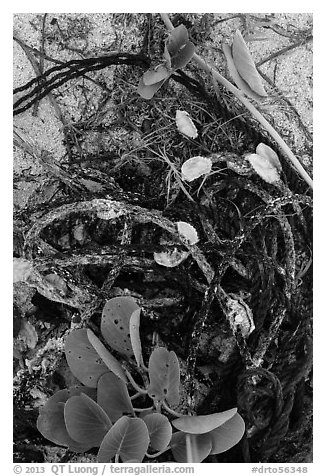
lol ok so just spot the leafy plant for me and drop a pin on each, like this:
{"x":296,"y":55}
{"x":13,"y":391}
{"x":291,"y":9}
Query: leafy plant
{"x":101,"y":412}
{"x":177,"y":53}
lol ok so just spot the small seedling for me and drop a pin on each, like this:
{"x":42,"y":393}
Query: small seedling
{"x":101,"y":413}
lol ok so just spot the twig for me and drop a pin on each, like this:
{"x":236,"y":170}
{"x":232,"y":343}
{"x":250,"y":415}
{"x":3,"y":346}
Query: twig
{"x":260,"y":118}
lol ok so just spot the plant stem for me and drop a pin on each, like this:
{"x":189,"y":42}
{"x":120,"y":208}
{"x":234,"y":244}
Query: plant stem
{"x":134,"y":384}
{"x":168,"y":409}
{"x":190,"y":458}
{"x":260,"y":118}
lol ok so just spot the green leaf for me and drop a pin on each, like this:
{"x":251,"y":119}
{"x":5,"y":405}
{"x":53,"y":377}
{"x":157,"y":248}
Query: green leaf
{"x":178,"y":38}
{"x":183,"y":56}
{"x":22,"y":269}
{"x":264,"y":168}
{"x":171,"y":258}
{"x":164,"y":376}
{"x":51,"y":423}
{"x":203,"y":423}
{"x":111,"y":362}
{"x":269,"y":154}
{"x":115,"y":323}
{"x":84,"y":362}
{"x":159,"y":429}
{"x":113,"y":396}
{"x":155,"y":75}
{"x":86,"y":421}
{"x":201,"y":446}
{"x":227,"y":435}
{"x":245,"y":65}
{"x":147,"y":92}
{"x":195,"y":167}
{"x":135,"y":337}
{"x":242,"y":85}
{"x":128,"y":438}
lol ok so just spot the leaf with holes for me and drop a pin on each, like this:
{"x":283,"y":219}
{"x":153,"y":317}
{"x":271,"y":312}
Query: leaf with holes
{"x":86,"y":421}
{"x":200,"y":447}
{"x":196,"y":167}
{"x":115,"y":323}
{"x":203,"y":423}
{"x":84,"y":362}
{"x":245,"y":65}
{"x":159,"y":429}
{"x":135,"y":337}
{"x":164,"y":376}
{"x":111,"y":362}
{"x":128,"y":439}
{"x":155,"y":75}
{"x":51,"y":423}
{"x":113,"y":397}
{"x":227,"y":435}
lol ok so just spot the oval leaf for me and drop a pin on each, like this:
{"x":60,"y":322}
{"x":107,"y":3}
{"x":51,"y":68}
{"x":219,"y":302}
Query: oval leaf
{"x":196,"y":167}
{"x":199,"y":424}
{"x":86,"y":421}
{"x":245,"y":65}
{"x":51,"y":424}
{"x":164,"y":376}
{"x":128,"y":438}
{"x":111,"y":362}
{"x":147,"y":92}
{"x":183,"y":56}
{"x":264,"y":168}
{"x":201,"y":446}
{"x":135,"y":337}
{"x":178,"y":37}
{"x":113,"y":397}
{"x":242,"y":85}
{"x":227,"y":435}
{"x":269,"y":154}
{"x":188,"y":232}
{"x":159,"y":429}
{"x":170,"y":259}
{"x":115,"y":323}
{"x":155,"y":75}
{"x":185,"y":124}
{"x":84,"y":362}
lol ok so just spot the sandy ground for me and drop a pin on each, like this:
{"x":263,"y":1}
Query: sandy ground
{"x":71,"y":36}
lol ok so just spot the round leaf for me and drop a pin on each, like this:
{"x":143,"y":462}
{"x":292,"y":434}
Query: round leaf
{"x":196,"y":167}
{"x":22,"y":269}
{"x":164,"y":376}
{"x":170,"y":259}
{"x":51,"y":423}
{"x":185,"y":124}
{"x":86,"y":421}
{"x":201,"y":446}
{"x":83,"y":360}
{"x":111,"y":362}
{"x":269,"y":154}
{"x":128,"y":438}
{"x":147,"y":92}
{"x":203,"y":423}
{"x":264,"y":168}
{"x":245,"y":65}
{"x":183,"y":56}
{"x":155,"y":75}
{"x":178,"y":37}
{"x":159,"y":429}
{"x":227,"y":435}
{"x":115,"y":323}
{"x":113,"y":397}
{"x":188,"y":232}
